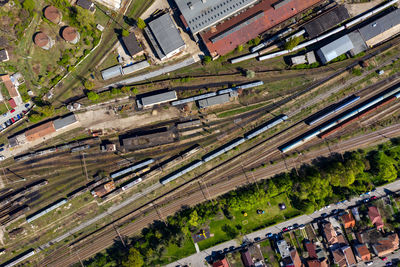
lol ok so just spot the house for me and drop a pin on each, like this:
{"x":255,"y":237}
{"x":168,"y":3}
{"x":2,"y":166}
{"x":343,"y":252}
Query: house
{"x":40,"y":131}
{"x":4,"y":55}
{"x":214,"y":100}
{"x":131,"y":45}
{"x":283,"y":248}
{"x":317,"y":263}
{"x":362,"y":252}
{"x":311,"y":249}
{"x":246,"y":258}
{"x":375,"y":217}
{"x":294,"y":255}
{"x":156,"y":99}
{"x":330,"y":234}
{"x":12,"y":91}
{"x":164,"y":37}
{"x":348,"y":220}
{"x":386,"y":245}
{"x":344,"y":256}
{"x":221,"y":263}
{"x":86,"y":4}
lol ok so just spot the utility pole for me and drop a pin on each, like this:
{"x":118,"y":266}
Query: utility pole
{"x":120,"y":237}
{"x":84,"y":165}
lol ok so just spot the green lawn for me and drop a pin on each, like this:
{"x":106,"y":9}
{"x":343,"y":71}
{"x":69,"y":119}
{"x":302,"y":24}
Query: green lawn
{"x":251,"y":222}
{"x":174,"y":252}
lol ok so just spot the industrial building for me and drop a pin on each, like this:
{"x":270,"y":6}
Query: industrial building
{"x":381,"y":29}
{"x":212,"y":101}
{"x":70,"y":35}
{"x":198,"y":15}
{"x":164,"y":37}
{"x":111,"y":72}
{"x":64,"y":122}
{"x":40,"y":131}
{"x":149,"y":101}
{"x":327,"y":21}
{"x":150,"y":139}
{"x":43,"y":40}
{"x":131,"y":45}
{"x":53,"y":14}
{"x":334,"y":49}
{"x":227,"y":35}
{"x":86,"y":4}
{"x":135,"y":67}
{"x":4,"y":55}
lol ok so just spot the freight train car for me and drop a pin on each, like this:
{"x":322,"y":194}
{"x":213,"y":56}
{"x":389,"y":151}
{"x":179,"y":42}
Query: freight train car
{"x":131,"y":168}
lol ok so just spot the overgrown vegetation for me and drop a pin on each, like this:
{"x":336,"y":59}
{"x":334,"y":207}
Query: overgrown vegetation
{"x":308,"y":188}
{"x":292,"y":43}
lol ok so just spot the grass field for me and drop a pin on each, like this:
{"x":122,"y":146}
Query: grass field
{"x":251,"y":222}
{"x":174,"y":252}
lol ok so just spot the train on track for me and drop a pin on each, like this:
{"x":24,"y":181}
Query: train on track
{"x":225,"y":148}
{"x":20,"y":258}
{"x":343,"y":119}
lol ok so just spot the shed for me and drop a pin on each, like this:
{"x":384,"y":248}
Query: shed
{"x":164,"y":37}
{"x":131,"y":45}
{"x":135,"y":67}
{"x":112,"y":72}
{"x":334,"y":49}
{"x":64,"y":122}
{"x":4,"y":55}
{"x":214,"y":100}
{"x":149,"y":101}
{"x":86,"y":4}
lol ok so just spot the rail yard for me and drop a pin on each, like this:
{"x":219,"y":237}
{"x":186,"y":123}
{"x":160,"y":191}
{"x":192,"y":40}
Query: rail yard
{"x":116,"y":156}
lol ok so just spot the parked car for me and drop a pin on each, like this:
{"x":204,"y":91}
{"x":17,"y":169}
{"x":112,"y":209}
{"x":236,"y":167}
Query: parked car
{"x":27,"y":105}
{"x":7,"y":123}
{"x":12,"y":120}
{"x":231,"y":247}
{"x":13,"y":110}
{"x":389,"y":263}
{"x":1,"y":149}
{"x":285,"y":229}
{"x":324,"y":215}
{"x":269,"y":235}
{"x":18,"y":116}
{"x":2,"y":157}
{"x":5,"y":114}
{"x":373,"y":198}
{"x":384,"y":258}
{"x":290,"y":227}
{"x":257,"y":239}
{"x":302,"y":226}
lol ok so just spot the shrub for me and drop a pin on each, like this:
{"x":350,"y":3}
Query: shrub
{"x":115,"y":91}
{"x":92,"y":96}
{"x":88,"y":84}
{"x":140,"y":23}
{"x":239,"y":48}
{"x":357,"y":72}
{"x":207,"y":59}
{"x":292,"y":43}
{"x":134,"y":90}
{"x":250,"y":74}
{"x":125,"y":33}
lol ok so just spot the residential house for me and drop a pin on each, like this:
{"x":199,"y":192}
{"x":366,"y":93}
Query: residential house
{"x":246,"y":258}
{"x":283,"y":248}
{"x":344,"y":256}
{"x":330,"y":234}
{"x":316,"y":255}
{"x":375,"y":217}
{"x":221,"y":263}
{"x":131,"y":45}
{"x":86,"y":4}
{"x":317,"y":263}
{"x":386,"y":245}
{"x":348,"y":220}
{"x":311,"y":249}
{"x":362,"y":252}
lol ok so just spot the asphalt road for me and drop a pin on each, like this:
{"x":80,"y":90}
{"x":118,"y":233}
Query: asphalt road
{"x":197,"y":260}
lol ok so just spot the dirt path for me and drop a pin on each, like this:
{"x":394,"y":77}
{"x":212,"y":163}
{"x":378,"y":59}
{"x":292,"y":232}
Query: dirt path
{"x":358,"y":8}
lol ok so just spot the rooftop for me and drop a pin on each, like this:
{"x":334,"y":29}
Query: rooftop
{"x":380,"y":25}
{"x":12,"y":91}
{"x":86,"y":4}
{"x":348,"y":220}
{"x":335,"y":48}
{"x":246,"y":258}
{"x":40,"y":131}
{"x":69,"y":34}
{"x":327,"y":21}
{"x":311,"y":249}
{"x":3,"y":55}
{"x":362,"y":250}
{"x":221,"y":263}
{"x":330,"y":234}
{"x":238,"y":29}
{"x":214,"y":100}
{"x":375,"y":216}
{"x":386,"y":245}
{"x":151,"y":100}
{"x":41,"y":39}
{"x":131,"y":44}
{"x":64,"y":122}
{"x":201,"y":14}
{"x":111,"y":72}
{"x":53,"y":14}
{"x":166,"y":35}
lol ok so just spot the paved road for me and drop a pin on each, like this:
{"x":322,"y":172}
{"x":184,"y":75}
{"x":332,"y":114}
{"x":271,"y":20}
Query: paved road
{"x":197,"y":260}
{"x":155,"y":73}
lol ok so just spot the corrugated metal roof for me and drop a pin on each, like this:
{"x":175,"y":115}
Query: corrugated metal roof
{"x":380,"y":25}
{"x":202,"y":14}
{"x":335,"y":49}
{"x":131,"y":44}
{"x":166,"y":34}
{"x":64,"y":122}
{"x":326,"y":21}
{"x":358,"y":42}
{"x":112,"y":72}
{"x":135,"y":67}
{"x":148,"y":101}
{"x":281,"y":3}
{"x":215,"y":100}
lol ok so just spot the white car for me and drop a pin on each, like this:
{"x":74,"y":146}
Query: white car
{"x":369,"y":263}
{"x":2,"y":158}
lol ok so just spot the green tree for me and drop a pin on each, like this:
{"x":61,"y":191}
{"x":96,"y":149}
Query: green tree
{"x":140,"y":23}
{"x":115,"y":91}
{"x":230,"y":231}
{"x":92,"y":96}
{"x":207,"y":59}
{"x":239,"y":48}
{"x":134,"y":90}
{"x":88,"y":84}
{"x":125,"y":89}
{"x":134,"y":259}
{"x":292,"y":43}
{"x":125,"y":33}
{"x":46,"y":111}
{"x":194,"y":219}
{"x":250,"y":74}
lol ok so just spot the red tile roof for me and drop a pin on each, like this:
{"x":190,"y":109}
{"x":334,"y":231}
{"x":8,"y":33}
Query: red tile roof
{"x":363,"y":252}
{"x":386,"y":245}
{"x":351,"y":260}
{"x":375,"y":217}
{"x":40,"y":131}
{"x":270,"y":19}
{"x":12,"y":91}
{"x":221,"y":263}
{"x":348,"y":220}
{"x":11,"y":101}
{"x":311,"y":250}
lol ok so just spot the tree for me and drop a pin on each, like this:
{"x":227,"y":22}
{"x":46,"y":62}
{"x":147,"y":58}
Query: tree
{"x":207,"y":59}
{"x":88,"y":84}
{"x":250,"y":74}
{"x":140,"y":23}
{"x":194,"y":219}
{"x":47,"y":111}
{"x":125,"y":89}
{"x":115,"y":91}
{"x":230,"y":231}
{"x":125,"y":33}
{"x":292,"y":43}
{"x":134,"y":259}
{"x":239,"y":48}
{"x":135,"y":91}
{"x":92,"y":96}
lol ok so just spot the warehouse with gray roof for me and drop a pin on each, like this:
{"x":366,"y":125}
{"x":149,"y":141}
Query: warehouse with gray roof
{"x":381,"y":29}
{"x":149,"y":101}
{"x":112,"y":72}
{"x":199,"y":15}
{"x":64,"y":122}
{"x":334,"y":49}
{"x":164,"y":37}
{"x":214,"y":100}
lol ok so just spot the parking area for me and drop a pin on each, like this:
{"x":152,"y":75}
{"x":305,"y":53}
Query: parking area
{"x":13,"y":115}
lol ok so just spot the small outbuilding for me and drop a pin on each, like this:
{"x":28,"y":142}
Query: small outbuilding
{"x":131,"y":45}
{"x":214,"y":100}
{"x":111,"y":72}
{"x":70,"y":35}
{"x":43,"y":40}
{"x":53,"y":14}
{"x":86,"y":4}
{"x":4,"y":55}
{"x":149,"y":101}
